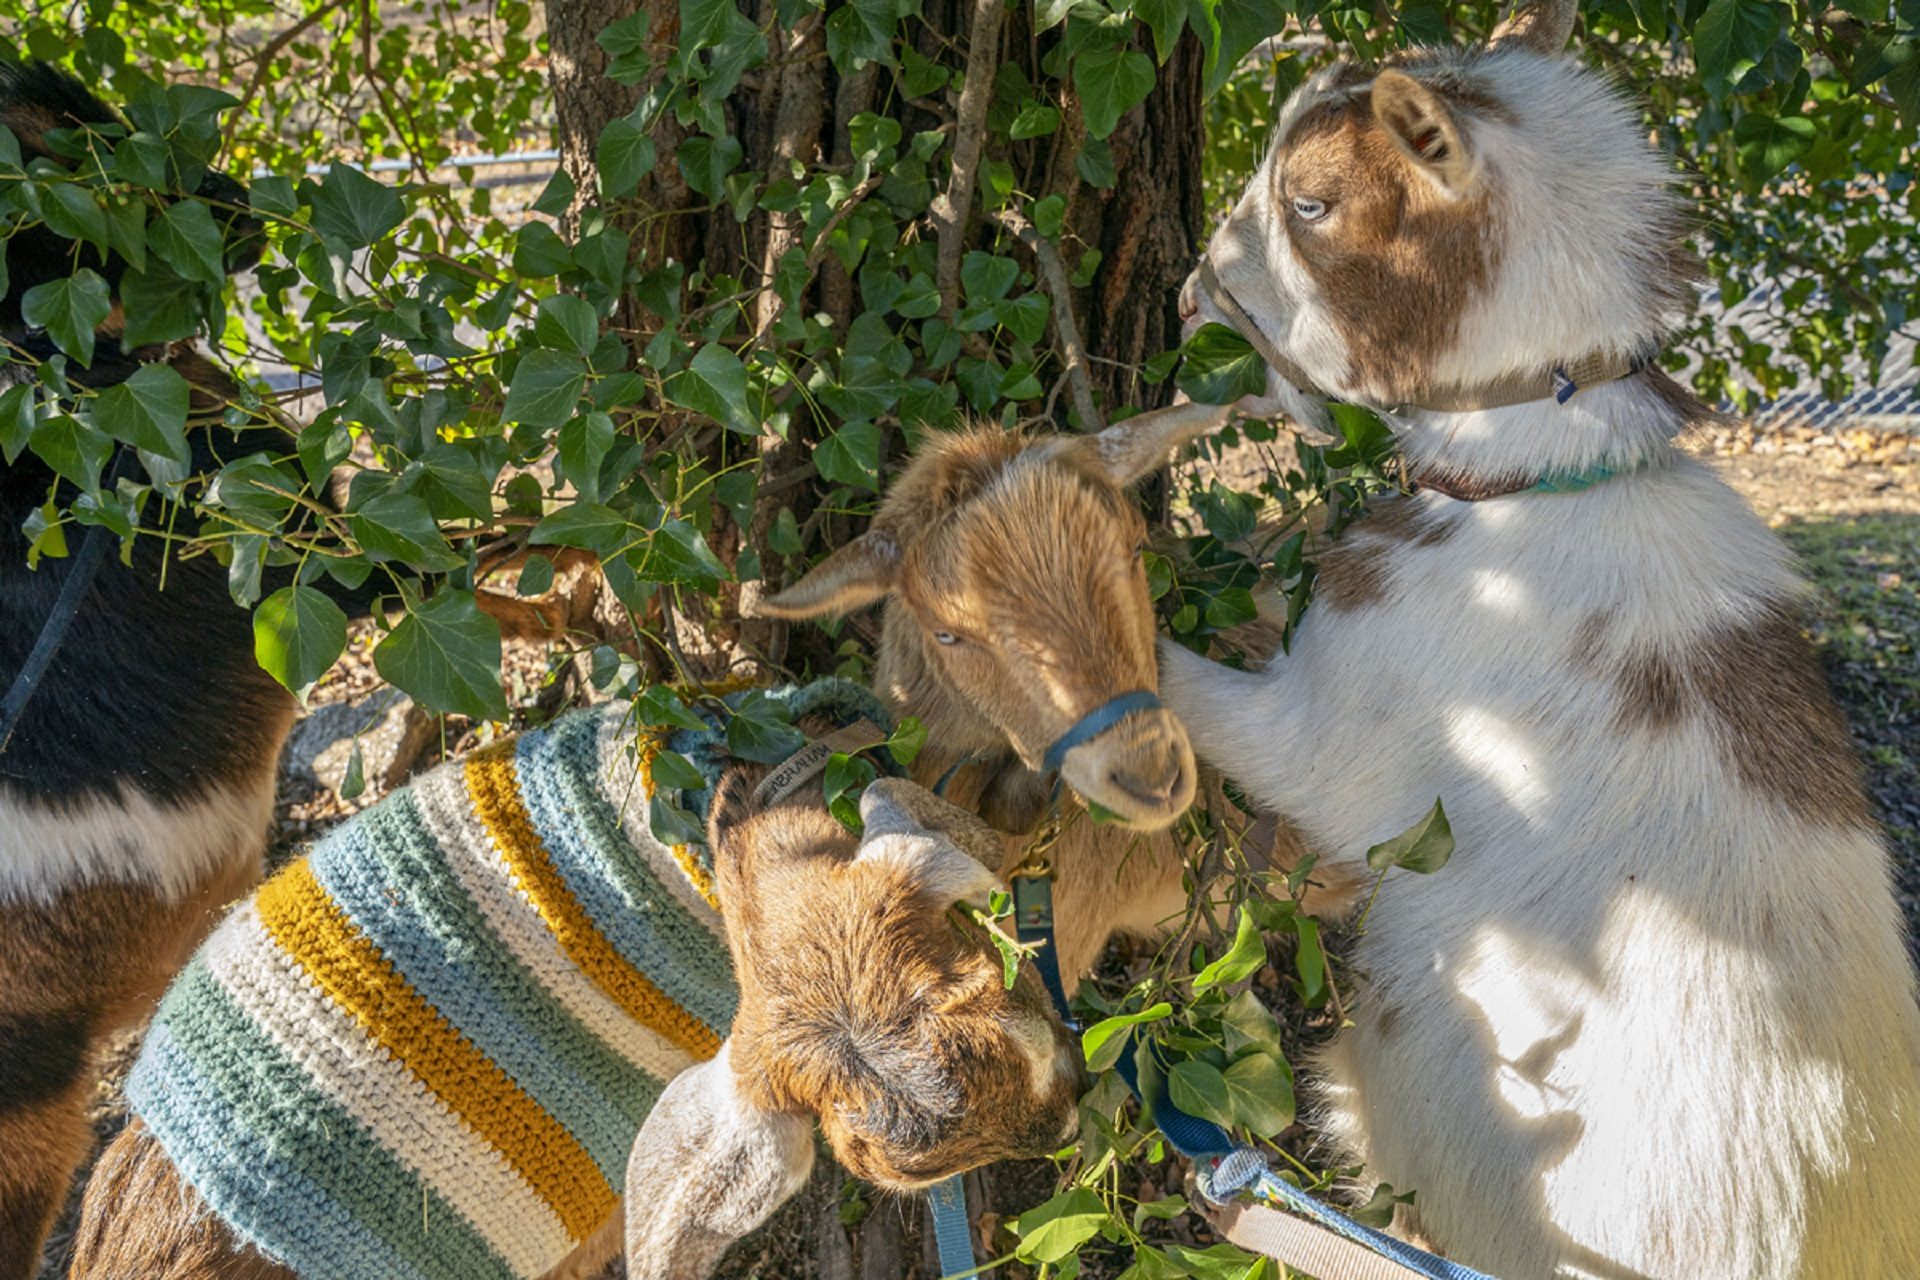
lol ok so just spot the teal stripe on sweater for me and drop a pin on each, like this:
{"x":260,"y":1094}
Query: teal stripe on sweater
{"x":192,"y":1121}
{"x":267,"y":1117}
{"x":390,"y":877}
{"x":611,"y":879}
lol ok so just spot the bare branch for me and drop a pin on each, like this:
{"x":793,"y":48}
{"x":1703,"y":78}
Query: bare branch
{"x":952,"y":207}
{"x":264,"y":59}
{"x":1066,"y":330}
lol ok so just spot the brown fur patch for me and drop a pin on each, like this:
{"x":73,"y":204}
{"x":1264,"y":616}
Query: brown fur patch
{"x":1773,"y":718}
{"x":1652,"y":695}
{"x":74,"y":971}
{"x":1396,"y":261}
{"x":141,"y":1218}
{"x":1353,"y":571}
{"x":1777,"y":720}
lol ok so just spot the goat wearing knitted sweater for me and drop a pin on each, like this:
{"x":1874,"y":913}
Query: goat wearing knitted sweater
{"x":425,"y":1050}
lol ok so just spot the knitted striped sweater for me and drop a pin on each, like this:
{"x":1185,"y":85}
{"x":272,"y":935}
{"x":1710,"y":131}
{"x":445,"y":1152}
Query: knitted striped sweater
{"x":424,"y":1050}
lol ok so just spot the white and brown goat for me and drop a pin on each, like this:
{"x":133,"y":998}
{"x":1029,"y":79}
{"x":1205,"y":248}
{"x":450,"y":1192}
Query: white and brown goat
{"x":1656,"y":1018}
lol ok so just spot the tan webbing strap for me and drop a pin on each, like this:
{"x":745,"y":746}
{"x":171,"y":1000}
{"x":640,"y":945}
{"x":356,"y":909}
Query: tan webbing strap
{"x":1302,"y":1245}
{"x":805,"y":764}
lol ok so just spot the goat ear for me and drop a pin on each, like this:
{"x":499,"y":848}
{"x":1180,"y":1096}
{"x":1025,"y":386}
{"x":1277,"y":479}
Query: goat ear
{"x":894,"y":806}
{"x":933,"y":862}
{"x":1543,"y":26}
{"x":1129,"y":450}
{"x":707,"y":1168}
{"x":857,"y":574}
{"x":1424,"y":128}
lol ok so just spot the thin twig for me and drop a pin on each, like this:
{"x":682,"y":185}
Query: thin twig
{"x":268,"y":51}
{"x":817,"y":253}
{"x":1066,"y":331}
{"x":952,"y":207}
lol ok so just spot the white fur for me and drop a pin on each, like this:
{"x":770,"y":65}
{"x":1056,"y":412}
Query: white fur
{"x":1646,"y":1022}
{"x":131,"y":839}
{"x":1649,"y":1022}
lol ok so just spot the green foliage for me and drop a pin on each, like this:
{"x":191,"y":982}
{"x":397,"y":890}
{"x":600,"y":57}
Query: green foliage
{"x":613,"y":370}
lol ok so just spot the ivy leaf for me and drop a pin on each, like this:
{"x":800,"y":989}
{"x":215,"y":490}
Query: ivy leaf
{"x":678,"y":552}
{"x":714,"y":383}
{"x":1310,"y":961}
{"x":536,"y":577}
{"x":147,"y":411}
{"x":660,"y":706}
{"x":1219,"y":366}
{"x":908,"y":739}
{"x":1245,"y":1023}
{"x":185,"y":239}
{"x":74,"y":450}
{"x":567,"y":323}
{"x":399,"y":527}
{"x":71,"y":211}
{"x":1102,"y":1042}
{"x":623,"y":155}
{"x":160,"y":308}
{"x":1769,"y":143}
{"x":583,"y":446}
{"x":671,"y":769}
{"x":1731,"y":36}
{"x":761,"y":730}
{"x":590,"y":525}
{"x":1259,"y":1094}
{"x":297,"y":634}
{"x":1110,"y":82}
{"x":987,"y":277}
{"x":546,"y":388}
{"x":845,"y":777}
{"x":446,"y":653}
{"x":1036,"y":120}
{"x":16,"y":420}
{"x":1248,"y":953}
{"x":1241,"y":24}
{"x":1423,"y":847}
{"x":352,"y":210}
{"x":70,"y":309}
{"x":850,"y":456}
{"x":1198,"y":1088}
{"x":1055,"y":1230}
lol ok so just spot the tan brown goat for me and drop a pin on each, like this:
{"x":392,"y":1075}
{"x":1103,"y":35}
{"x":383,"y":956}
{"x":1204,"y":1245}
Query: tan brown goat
{"x":1017,"y":603}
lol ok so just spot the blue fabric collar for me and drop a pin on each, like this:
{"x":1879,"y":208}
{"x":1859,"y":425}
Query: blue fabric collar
{"x":1096,"y":722}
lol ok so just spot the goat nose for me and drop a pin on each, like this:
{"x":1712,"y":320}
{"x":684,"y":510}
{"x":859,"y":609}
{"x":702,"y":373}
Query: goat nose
{"x":1158,"y":790}
{"x":1189,"y":301}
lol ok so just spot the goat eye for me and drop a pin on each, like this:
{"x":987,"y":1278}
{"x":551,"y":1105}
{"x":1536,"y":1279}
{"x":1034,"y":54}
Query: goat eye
{"x":946,"y":637}
{"x":1308,"y":209}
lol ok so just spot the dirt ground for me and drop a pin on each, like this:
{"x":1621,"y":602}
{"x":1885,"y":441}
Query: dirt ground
{"x":1847,"y":502}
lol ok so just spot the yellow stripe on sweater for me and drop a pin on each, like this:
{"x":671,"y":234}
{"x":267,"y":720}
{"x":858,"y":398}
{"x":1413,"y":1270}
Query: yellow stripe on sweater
{"x":651,"y":745}
{"x":309,"y":926}
{"x":495,"y":790}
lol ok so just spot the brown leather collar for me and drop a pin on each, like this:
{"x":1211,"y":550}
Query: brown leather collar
{"x":1466,"y":488}
{"x":1559,"y":382}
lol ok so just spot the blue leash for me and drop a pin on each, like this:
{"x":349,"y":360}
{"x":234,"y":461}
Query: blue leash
{"x":1223,"y":1167}
{"x":1033,"y":923}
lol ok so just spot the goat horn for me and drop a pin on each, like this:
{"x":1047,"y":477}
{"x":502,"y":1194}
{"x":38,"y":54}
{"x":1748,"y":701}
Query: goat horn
{"x":1543,"y":26}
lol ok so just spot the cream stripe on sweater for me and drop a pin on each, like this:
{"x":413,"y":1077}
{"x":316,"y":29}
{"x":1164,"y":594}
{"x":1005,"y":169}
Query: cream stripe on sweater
{"x":400,"y":1112}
